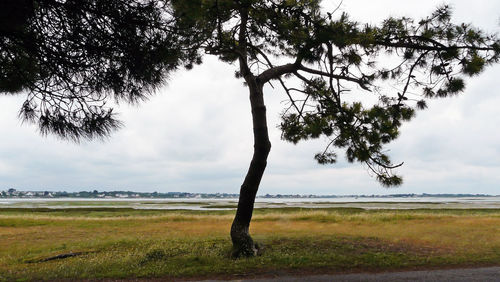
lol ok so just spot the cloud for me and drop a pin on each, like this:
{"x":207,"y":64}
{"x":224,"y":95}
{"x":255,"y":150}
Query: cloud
{"x":196,"y":135}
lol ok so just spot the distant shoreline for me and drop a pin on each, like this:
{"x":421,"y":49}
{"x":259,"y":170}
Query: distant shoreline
{"x":15,"y":194}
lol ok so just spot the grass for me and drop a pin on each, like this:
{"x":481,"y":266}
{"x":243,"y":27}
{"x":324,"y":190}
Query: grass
{"x":129,"y":243}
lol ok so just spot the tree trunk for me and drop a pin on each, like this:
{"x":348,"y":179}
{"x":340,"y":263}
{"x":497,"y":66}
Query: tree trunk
{"x":243,"y":245}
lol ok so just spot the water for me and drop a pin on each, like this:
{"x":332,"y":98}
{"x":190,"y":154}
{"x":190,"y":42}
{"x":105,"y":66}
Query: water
{"x":222,"y":204}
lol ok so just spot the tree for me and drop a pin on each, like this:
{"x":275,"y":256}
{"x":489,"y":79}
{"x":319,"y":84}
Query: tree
{"x":71,"y":57}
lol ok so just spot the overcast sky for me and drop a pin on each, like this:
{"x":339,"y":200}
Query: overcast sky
{"x":195,"y":135}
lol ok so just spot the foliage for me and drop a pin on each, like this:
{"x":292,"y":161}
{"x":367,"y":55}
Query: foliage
{"x":72,"y":56}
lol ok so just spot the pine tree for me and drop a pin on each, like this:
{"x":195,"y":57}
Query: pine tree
{"x":70,"y":57}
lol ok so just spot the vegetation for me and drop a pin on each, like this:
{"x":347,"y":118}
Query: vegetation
{"x":72,"y":57}
{"x":13,"y":193}
{"x":126,"y":243}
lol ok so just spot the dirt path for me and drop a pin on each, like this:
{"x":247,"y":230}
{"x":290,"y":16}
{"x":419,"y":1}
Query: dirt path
{"x":470,"y":274}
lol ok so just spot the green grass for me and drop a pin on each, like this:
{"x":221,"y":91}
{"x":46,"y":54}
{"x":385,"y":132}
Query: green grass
{"x":129,"y":243}
{"x":227,"y":206}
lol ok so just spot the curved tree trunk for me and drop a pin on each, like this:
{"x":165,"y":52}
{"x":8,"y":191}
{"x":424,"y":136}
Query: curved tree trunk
{"x":243,"y":245}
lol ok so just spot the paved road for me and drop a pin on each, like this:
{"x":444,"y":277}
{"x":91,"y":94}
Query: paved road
{"x":473,"y":274}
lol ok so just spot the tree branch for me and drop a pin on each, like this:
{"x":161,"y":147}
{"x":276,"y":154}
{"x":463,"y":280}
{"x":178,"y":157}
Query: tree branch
{"x":437,"y":46}
{"x":276,"y":72}
{"x":360,"y":82}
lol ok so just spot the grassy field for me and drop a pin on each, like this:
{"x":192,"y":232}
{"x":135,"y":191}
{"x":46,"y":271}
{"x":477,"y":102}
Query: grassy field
{"x":45,"y":244}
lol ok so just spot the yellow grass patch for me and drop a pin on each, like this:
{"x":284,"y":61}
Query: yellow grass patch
{"x":383,"y":238}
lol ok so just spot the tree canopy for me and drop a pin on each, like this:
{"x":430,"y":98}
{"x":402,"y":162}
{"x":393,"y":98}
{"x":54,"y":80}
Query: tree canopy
{"x":72,"y":57}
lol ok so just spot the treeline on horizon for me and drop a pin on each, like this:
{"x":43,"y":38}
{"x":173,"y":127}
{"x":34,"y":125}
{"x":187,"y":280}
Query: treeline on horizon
{"x":13,"y":193}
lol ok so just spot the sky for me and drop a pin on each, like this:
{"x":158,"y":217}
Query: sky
{"x":195,"y":135}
